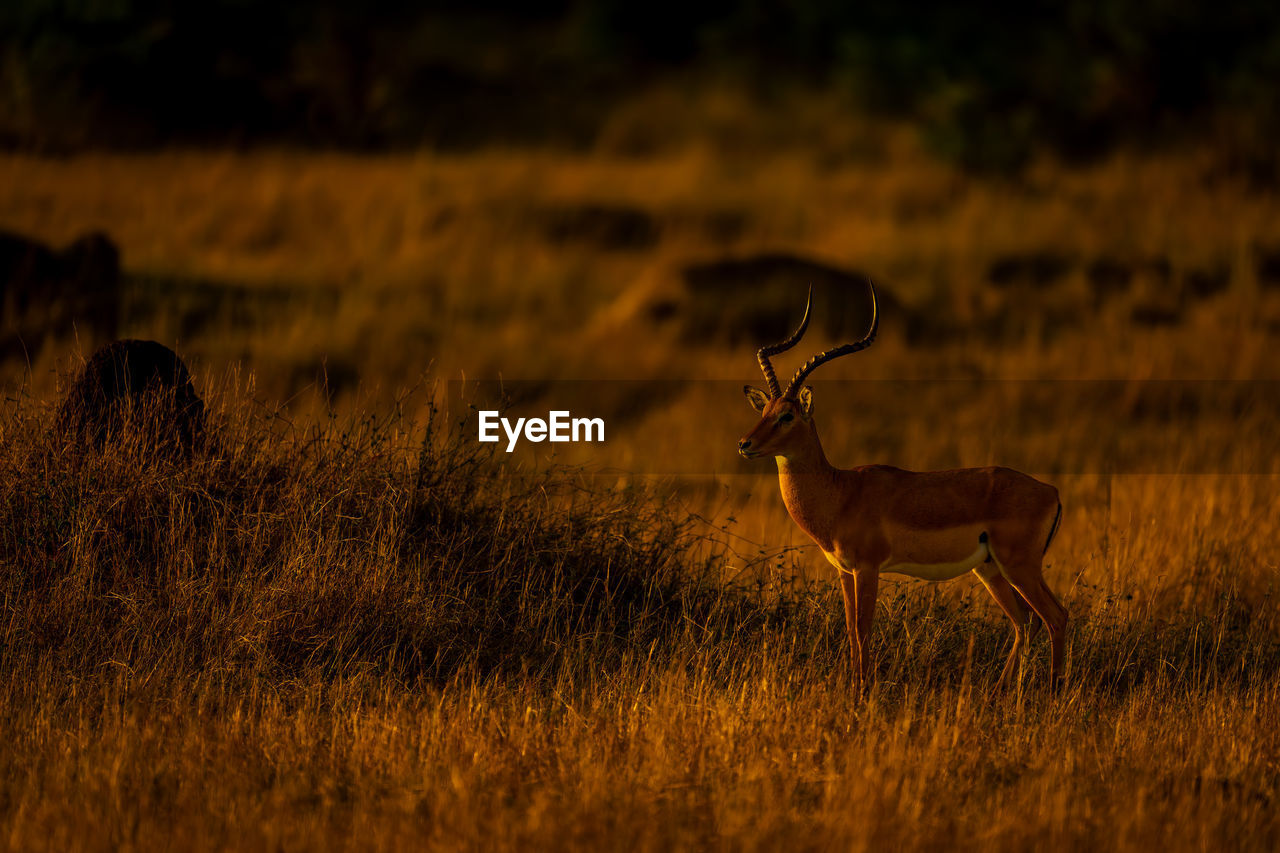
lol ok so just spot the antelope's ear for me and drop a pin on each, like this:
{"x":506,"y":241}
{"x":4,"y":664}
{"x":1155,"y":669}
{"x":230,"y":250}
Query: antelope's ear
{"x":757,"y":398}
{"x":805,"y":398}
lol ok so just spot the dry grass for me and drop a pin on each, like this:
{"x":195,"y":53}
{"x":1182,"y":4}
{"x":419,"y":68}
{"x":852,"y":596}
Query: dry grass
{"x":378,"y":267}
{"x":335,"y":638}
{"x":317,"y":636}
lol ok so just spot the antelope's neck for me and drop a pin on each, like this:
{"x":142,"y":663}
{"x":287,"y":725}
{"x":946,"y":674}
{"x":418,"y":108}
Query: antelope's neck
{"x":811,"y":491}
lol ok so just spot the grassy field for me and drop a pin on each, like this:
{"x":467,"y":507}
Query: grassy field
{"x":343,"y":629}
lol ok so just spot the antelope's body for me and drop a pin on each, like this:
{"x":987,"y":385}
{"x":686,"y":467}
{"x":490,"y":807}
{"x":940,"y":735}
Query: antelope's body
{"x":933,"y":525}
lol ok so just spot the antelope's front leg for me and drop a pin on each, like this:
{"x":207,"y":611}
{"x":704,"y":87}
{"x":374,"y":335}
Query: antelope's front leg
{"x":859,"y":589}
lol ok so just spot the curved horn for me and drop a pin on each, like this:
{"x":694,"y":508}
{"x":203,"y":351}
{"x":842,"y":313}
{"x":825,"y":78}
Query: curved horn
{"x":844,"y":349}
{"x":773,"y":349}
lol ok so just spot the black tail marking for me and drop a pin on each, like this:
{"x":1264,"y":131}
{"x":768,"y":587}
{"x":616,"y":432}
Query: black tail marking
{"x":1052,"y":530}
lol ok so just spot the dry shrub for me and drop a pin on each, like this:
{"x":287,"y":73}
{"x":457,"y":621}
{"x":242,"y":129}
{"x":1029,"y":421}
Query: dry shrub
{"x":337,"y":549}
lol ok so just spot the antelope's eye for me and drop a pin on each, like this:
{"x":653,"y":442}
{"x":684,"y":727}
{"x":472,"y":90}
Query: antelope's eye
{"x":787,"y":417}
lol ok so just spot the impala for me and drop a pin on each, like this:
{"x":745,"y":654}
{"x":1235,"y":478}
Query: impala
{"x":934,"y":525}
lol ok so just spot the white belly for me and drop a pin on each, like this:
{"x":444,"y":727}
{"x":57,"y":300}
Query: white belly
{"x":939,"y":571}
{"x":925,"y":571}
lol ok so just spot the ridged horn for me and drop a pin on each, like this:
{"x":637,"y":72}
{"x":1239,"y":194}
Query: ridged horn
{"x":831,"y":354}
{"x":763,"y":353}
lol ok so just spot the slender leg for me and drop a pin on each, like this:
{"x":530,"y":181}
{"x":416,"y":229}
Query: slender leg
{"x":859,"y":589}
{"x":1025,"y":622}
{"x":868,"y":582}
{"x":849,"y":591}
{"x":1030,"y":584}
{"x":1035,"y":622}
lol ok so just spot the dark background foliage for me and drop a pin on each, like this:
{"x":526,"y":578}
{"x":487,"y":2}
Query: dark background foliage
{"x":988,"y":81}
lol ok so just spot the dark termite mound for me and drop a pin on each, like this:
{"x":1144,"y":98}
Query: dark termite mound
{"x":135,"y":391}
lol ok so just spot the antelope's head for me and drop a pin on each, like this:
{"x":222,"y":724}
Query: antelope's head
{"x":786,"y":416}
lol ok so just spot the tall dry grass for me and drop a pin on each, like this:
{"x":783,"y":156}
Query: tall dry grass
{"x":321,"y":635}
{"x":344,"y":637}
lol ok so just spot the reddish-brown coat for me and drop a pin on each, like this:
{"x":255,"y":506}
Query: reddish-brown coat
{"x":874,"y":518}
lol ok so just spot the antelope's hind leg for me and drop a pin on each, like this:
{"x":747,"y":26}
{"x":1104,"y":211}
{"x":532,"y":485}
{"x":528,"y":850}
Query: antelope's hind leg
{"x":1025,"y":622}
{"x":1036,"y":621}
{"x":1020,"y":559}
{"x":1027,"y":578}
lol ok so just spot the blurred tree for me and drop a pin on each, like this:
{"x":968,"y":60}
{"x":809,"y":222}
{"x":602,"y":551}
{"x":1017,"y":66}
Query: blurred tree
{"x":989,"y":81}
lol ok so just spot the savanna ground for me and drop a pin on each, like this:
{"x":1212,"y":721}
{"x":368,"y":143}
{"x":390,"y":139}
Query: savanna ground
{"x":347,"y":627}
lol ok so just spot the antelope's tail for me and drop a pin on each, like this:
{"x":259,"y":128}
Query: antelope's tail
{"x":1053,"y":530}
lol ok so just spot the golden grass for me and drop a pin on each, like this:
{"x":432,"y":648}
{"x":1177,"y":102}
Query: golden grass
{"x":443,"y":260}
{"x":670,"y":759}
{"x":201,"y":709}
{"x":243,"y":653}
